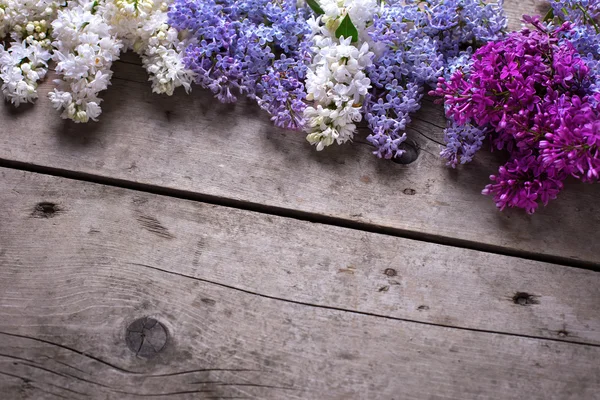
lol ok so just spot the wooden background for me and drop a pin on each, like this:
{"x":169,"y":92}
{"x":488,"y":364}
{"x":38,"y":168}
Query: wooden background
{"x":279,"y":272}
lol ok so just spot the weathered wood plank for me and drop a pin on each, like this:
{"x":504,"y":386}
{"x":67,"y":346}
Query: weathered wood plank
{"x":193,"y":144}
{"x":266,"y":307}
{"x":181,"y":143}
{"x":319,"y":264}
{"x":314,"y":263}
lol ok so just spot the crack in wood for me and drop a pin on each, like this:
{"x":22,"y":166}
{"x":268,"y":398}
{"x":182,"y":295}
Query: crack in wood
{"x":67,"y":376}
{"x":81,"y":353}
{"x":364,"y":226}
{"x":257,"y":385}
{"x":29,"y":380}
{"x":202,"y":370}
{"x":359,"y":312}
{"x":64,"y":364}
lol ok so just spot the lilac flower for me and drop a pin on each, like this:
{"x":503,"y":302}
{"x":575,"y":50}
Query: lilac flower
{"x":420,"y":40}
{"x":459,"y":22}
{"x":256,"y":48}
{"x":574,"y":147}
{"x":523,"y":182}
{"x":536,"y":97}
{"x":462,"y":142}
{"x":282,"y":93}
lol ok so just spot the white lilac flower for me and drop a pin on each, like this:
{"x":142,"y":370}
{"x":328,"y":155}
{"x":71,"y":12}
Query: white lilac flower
{"x":85,"y":47}
{"x":21,"y":67}
{"x":142,"y":26}
{"x":89,"y":37}
{"x":162,"y":54}
{"x":15,"y":15}
{"x":24,"y":61}
{"x":336,"y":81}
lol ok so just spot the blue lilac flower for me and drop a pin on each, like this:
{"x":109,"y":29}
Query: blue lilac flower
{"x":579,"y":12}
{"x":458,"y":22}
{"x":422,"y":40}
{"x":256,"y":48}
{"x":462,"y":142}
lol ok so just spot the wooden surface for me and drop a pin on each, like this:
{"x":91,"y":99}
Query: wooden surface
{"x":266,"y":307}
{"x":276,"y":272}
{"x":196,"y":147}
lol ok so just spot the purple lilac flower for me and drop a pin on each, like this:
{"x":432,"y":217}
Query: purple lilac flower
{"x":524,"y":181}
{"x":575,"y":145}
{"x":257,"y":48}
{"x":536,"y":97}
{"x":458,"y":22}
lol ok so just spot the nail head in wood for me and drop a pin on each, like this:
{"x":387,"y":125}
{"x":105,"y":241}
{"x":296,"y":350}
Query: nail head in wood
{"x":146,"y":337}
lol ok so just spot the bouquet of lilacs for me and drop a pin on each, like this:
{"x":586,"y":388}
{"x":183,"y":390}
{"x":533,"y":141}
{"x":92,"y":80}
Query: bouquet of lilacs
{"x":25,"y":25}
{"x":535,"y":94}
{"x":89,"y":35}
{"x":306,"y":72}
{"x":324,"y":65}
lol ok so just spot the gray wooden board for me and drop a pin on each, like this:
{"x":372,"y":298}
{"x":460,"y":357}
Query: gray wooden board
{"x":193,"y":144}
{"x":258,"y":306}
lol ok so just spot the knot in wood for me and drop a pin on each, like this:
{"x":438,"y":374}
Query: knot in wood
{"x":524,"y":299}
{"x":390,"y":272}
{"x":146,"y":337}
{"x":45,"y":209}
{"x":410,"y":152}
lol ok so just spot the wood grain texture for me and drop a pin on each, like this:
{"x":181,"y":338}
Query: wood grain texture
{"x":195,"y":145}
{"x":515,"y":9}
{"x":265,"y":307}
{"x":306,"y":262}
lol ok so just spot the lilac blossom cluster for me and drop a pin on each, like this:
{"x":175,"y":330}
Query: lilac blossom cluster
{"x":534,"y":95}
{"x":322,"y":65}
{"x":84,"y":38}
{"x":418,"y":41}
{"x":584,"y":35}
{"x":255,"y":48}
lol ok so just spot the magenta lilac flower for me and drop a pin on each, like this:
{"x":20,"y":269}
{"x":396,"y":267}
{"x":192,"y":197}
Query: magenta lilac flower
{"x":536,"y":96}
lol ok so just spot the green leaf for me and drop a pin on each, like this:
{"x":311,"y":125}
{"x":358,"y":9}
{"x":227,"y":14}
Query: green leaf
{"x":314,"y":4}
{"x":549,"y":15}
{"x":347,"y":29}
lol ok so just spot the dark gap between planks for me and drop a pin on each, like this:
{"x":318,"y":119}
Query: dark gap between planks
{"x":296,"y":214}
